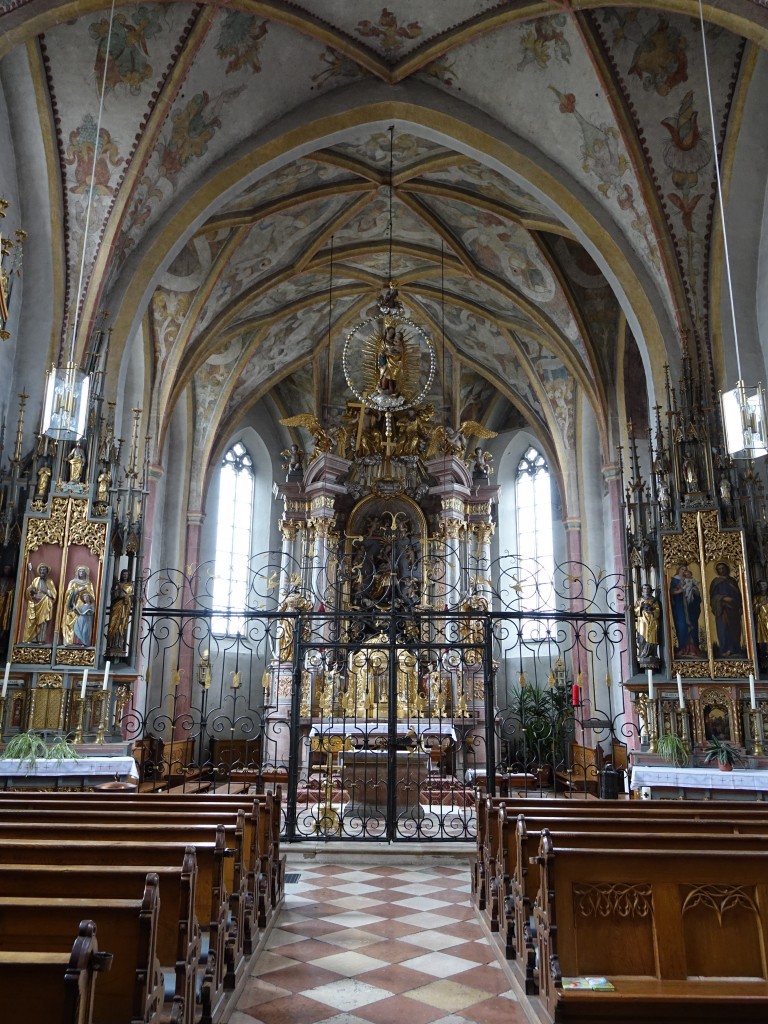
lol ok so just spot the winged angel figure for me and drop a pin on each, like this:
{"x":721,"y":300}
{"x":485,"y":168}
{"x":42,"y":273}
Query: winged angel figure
{"x":449,"y":441}
{"x":324,"y":440}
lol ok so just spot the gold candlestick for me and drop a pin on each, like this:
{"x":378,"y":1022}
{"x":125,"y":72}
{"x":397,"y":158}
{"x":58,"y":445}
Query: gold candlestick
{"x":683,"y":730}
{"x":755,"y":716}
{"x":653,"y":724}
{"x":80,"y":716}
{"x":100,"y":734}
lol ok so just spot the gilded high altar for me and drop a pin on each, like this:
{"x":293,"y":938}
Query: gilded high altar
{"x":379,"y":524}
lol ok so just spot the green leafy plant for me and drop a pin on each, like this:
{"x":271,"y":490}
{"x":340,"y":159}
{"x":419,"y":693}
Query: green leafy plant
{"x":545,"y":718}
{"x":723,"y":752}
{"x":25,"y":746}
{"x":29,"y":747}
{"x":62,"y":750}
{"x":673,"y":750}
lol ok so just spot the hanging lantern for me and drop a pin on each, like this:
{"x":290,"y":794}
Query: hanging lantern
{"x":65,"y":408}
{"x":744,"y":421}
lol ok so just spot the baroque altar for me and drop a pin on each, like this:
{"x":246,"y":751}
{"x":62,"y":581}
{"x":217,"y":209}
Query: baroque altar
{"x":379,"y":516}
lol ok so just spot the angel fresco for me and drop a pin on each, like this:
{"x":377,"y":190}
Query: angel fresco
{"x":128,"y":62}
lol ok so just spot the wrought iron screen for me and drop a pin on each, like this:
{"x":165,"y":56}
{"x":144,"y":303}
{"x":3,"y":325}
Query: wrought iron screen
{"x":378,"y":724}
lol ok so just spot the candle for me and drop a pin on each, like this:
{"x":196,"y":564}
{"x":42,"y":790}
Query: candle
{"x":680,"y":695}
{"x":752,"y":695}
{"x":575,"y":695}
{"x":85,"y":683}
{"x":8,"y":672}
{"x":106,"y":675}
{"x":651,"y":691}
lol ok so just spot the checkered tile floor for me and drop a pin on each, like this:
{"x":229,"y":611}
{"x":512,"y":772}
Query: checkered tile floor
{"x":378,"y":945}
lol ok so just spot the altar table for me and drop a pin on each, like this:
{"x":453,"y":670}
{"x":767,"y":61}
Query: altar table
{"x":667,"y":782}
{"x":72,"y":773}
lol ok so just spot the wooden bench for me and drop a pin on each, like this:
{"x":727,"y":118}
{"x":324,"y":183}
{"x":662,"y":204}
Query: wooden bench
{"x":63,"y":984}
{"x":483,"y":866}
{"x":244,"y":843}
{"x":211,"y":909}
{"x":263,"y":823}
{"x":583,"y":771}
{"x":503,"y":862}
{"x":681,"y":934}
{"x":523,"y":883}
{"x":178,"y":933}
{"x":132,"y":990}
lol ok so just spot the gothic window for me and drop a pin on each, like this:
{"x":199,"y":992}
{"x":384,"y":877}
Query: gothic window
{"x":533,"y":503}
{"x":233,"y":537}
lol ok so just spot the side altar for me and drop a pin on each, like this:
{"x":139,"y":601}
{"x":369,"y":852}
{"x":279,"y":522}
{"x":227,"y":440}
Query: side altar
{"x":697,"y":599}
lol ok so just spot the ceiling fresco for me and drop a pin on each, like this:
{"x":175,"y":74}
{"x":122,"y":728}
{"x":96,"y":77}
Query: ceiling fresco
{"x":241,"y":187}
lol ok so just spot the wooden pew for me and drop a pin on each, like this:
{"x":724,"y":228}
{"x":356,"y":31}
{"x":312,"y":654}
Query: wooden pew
{"x":211,"y":909}
{"x":232,"y":890}
{"x":484,"y":867}
{"x":265,"y":882}
{"x":178,"y":933}
{"x":583,"y":773}
{"x":63,"y":984}
{"x":244,"y":860}
{"x":133,"y":989}
{"x":519,"y":937}
{"x":503,"y":862}
{"x":681,"y":934}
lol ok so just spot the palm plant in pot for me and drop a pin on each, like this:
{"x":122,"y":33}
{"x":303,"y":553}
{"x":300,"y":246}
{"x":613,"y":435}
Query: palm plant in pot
{"x":673,"y":749}
{"x":724,"y":753}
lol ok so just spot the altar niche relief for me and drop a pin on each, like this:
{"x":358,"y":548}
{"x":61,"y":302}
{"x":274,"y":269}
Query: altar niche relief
{"x":709,"y":625}
{"x":385,"y":544}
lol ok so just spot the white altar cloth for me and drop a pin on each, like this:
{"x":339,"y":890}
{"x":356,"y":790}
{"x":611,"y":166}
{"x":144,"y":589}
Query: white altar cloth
{"x":80,"y":766}
{"x":699,"y":778}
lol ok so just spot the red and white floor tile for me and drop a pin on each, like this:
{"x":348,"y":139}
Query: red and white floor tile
{"x":377,"y":944}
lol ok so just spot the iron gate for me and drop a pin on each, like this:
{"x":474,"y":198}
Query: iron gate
{"x":375,"y":726}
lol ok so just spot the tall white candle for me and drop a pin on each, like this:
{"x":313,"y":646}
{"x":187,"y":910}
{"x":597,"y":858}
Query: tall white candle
{"x":106,"y":674}
{"x":752,"y":695}
{"x":651,"y":691}
{"x":8,"y":672}
{"x":85,"y":683}
{"x":680,"y":694}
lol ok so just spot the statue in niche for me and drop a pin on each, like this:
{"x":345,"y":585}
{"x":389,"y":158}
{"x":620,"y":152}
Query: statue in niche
{"x":293,"y":601}
{"x":760,"y":608}
{"x":79,"y":604}
{"x":7,"y":594}
{"x":41,"y":596}
{"x":76,"y":462}
{"x":120,"y":613}
{"x":43,"y":481}
{"x":647,"y":619}
{"x":102,"y":486}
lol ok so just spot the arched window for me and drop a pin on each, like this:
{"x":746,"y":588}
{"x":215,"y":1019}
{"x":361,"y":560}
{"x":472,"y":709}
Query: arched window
{"x":233,"y":537}
{"x":533,"y":502}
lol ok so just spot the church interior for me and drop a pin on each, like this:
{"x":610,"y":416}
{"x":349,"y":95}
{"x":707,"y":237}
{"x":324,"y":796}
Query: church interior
{"x":382,"y":482}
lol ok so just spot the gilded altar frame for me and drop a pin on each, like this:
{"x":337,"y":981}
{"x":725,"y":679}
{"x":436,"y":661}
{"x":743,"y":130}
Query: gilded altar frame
{"x":701,"y":553}
{"x":375,"y":505}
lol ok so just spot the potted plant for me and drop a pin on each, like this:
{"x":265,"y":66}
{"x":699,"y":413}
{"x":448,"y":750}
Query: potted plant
{"x":544,"y":716}
{"x":672,"y":748}
{"x":724,"y":753}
